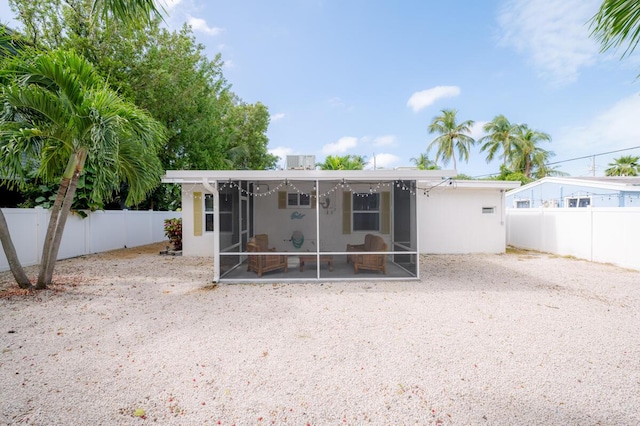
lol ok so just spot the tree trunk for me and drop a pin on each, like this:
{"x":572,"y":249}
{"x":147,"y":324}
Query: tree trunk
{"x":64,"y":214}
{"x":54,"y":233}
{"x":12,"y":256}
{"x":51,"y":228}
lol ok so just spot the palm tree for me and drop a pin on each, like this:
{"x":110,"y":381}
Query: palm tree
{"x":424,"y":163}
{"x":60,"y":113}
{"x":128,"y":11}
{"x":626,"y":165}
{"x":501,"y":136}
{"x":453,"y":135}
{"x":617,"y":22}
{"x":527,"y":155}
{"x":345,"y":162}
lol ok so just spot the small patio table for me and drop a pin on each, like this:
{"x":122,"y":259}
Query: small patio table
{"x":312,"y":258}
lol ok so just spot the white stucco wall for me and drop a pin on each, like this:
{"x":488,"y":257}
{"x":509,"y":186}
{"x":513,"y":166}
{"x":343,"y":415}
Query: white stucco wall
{"x":451,"y":221}
{"x":193,"y":245}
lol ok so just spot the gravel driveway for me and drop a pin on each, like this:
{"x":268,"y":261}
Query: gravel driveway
{"x":131,"y":337}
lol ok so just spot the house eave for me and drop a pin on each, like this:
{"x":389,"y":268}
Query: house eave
{"x":197,"y":176}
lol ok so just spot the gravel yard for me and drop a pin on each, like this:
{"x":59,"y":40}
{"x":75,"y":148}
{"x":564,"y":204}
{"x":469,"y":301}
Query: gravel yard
{"x":131,"y":337}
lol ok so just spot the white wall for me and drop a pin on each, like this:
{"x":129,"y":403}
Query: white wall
{"x":192,"y":245}
{"x":451,"y":221}
{"x":100,"y":231}
{"x":599,"y":234}
{"x":279,"y":224}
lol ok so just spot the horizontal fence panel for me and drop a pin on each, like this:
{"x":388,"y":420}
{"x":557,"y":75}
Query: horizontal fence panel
{"x":108,"y":230}
{"x":99,"y":231}
{"x":617,"y":231}
{"x":24,"y":228}
{"x":600,"y":234}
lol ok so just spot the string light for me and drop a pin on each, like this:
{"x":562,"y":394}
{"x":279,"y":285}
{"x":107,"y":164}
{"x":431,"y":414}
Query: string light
{"x":374,"y":188}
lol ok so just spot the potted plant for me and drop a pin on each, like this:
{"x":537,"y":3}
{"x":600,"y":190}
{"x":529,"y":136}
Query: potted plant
{"x":173,"y":230}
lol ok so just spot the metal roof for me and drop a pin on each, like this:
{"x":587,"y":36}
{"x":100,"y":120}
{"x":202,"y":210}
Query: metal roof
{"x":614,"y":183}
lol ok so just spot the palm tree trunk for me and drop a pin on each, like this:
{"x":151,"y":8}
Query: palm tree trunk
{"x":12,"y":256}
{"x":76,"y":164}
{"x":51,"y":228}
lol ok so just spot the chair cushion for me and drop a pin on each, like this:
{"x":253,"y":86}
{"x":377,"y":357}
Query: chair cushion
{"x":373,"y":243}
{"x":262,"y":240}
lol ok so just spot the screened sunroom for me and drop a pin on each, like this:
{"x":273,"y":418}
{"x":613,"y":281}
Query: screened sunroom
{"x":304,"y":225}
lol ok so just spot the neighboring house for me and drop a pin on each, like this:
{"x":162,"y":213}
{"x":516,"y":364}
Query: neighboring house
{"x":577,"y":192}
{"x":316,"y":221}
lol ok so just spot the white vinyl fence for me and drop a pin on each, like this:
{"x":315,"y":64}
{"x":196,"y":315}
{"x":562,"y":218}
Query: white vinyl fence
{"x":598,"y":234}
{"x":98,"y":232}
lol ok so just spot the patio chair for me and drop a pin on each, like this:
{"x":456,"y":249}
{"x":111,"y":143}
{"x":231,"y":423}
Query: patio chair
{"x":374,"y":262}
{"x":261,"y":263}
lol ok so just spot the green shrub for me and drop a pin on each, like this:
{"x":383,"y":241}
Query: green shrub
{"x":173,"y":230}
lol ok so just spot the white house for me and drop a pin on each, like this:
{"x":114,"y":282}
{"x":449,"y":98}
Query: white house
{"x":317,"y":221}
{"x":609,"y":191}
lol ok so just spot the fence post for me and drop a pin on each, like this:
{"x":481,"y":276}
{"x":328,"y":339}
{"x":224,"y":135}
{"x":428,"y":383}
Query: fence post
{"x":590,"y":233}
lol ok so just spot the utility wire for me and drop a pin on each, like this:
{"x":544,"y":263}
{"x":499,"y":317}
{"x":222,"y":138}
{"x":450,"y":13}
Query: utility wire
{"x":570,"y":159}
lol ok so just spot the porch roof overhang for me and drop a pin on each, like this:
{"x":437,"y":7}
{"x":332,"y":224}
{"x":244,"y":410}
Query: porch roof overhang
{"x":198,"y":176}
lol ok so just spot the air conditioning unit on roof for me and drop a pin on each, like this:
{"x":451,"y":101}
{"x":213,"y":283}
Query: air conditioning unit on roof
{"x":301,"y":162}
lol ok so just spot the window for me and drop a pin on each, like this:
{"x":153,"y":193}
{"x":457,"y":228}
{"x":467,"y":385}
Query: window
{"x":578,"y":201}
{"x":366,"y":212}
{"x":523,"y":204}
{"x":295,"y":199}
{"x":226,"y":212}
{"x":208,"y":212}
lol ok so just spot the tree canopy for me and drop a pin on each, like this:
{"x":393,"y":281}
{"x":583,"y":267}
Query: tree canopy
{"x":345,"y":162}
{"x":452,"y":136}
{"x":626,"y":165}
{"x":164,"y":72}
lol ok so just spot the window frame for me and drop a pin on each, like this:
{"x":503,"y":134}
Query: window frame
{"x":298,"y":199}
{"x":223,"y":212}
{"x":578,"y":200}
{"x":377,"y":211}
{"x":522,"y":200}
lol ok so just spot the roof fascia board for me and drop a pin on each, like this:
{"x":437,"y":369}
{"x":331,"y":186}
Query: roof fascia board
{"x":196,"y":176}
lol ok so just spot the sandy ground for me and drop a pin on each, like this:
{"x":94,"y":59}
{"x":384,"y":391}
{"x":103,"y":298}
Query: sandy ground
{"x":131,"y":337}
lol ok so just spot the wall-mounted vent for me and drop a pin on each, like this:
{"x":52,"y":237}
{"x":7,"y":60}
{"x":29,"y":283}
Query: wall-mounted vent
{"x":488,"y":210}
{"x":301,"y":162}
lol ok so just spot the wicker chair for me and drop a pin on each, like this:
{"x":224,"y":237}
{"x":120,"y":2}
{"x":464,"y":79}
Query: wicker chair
{"x":261,"y":263}
{"x":374,"y":262}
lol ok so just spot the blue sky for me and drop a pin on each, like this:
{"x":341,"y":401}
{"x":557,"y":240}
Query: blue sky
{"x":367,"y":77}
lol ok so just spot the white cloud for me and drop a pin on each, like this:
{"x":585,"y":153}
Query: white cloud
{"x":168,"y":5}
{"x":423,"y":99}
{"x":613,"y":129}
{"x":554,"y":34}
{"x":281,"y":151}
{"x":338,"y":103}
{"x":383,"y":161}
{"x":341,"y":146}
{"x":476,"y":130}
{"x":199,"y":24}
{"x":386,"y":140}
{"x":278,"y":116}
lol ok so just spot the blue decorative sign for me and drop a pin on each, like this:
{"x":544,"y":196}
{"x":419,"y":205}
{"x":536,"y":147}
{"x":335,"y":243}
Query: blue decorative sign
{"x":296,"y":215}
